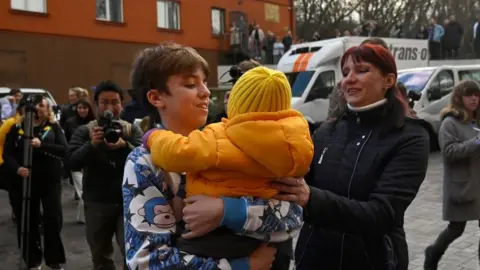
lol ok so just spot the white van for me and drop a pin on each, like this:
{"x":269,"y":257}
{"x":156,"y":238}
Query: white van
{"x":314,"y":68}
{"x":431,"y":88}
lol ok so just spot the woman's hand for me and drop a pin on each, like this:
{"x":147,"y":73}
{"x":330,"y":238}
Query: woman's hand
{"x":202,"y":214}
{"x":292,"y":190}
{"x":35,"y":143}
{"x":23,"y":172}
{"x":262,"y":258}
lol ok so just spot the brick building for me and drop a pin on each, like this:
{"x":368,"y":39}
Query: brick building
{"x":56,"y":44}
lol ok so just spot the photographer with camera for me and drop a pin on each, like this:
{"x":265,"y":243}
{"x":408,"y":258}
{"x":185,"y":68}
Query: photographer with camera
{"x":101,"y":148}
{"x":49,"y":147}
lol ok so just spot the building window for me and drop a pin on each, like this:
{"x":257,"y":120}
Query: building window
{"x":110,"y":10}
{"x":30,"y":5}
{"x":218,"y":21}
{"x":168,"y":14}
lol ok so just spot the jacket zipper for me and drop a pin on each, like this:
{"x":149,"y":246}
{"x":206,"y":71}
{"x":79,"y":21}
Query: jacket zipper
{"x":321,"y":156}
{"x":350,"y":186}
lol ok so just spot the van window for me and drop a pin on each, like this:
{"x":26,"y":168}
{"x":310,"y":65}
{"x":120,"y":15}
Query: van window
{"x":323,"y":86}
{"x":415,"y":80}
{"x":469,"y":75}
{"x":444,"y":82}
{"x":299,"y":81}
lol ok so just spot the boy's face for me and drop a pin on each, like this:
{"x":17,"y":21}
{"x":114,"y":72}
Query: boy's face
{"x":187,"y":101}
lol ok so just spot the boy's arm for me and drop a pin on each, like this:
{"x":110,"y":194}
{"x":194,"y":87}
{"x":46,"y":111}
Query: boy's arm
{"x":177,"y":153}
{"x":267,"y":220}
{"x":148,"y":246}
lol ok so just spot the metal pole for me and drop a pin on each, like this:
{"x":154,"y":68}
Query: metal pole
{"x":27,"y":163}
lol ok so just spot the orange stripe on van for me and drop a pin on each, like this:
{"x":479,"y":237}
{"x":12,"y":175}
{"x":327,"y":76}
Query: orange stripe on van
{"x":298,"y":61}
{"x":302,"y":62}
{"x":305,"y":61}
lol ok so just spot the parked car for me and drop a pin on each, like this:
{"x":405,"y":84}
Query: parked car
{"x":4,"y":91}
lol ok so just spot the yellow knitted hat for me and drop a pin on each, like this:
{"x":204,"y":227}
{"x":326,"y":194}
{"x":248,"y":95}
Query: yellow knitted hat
{"x":260,"y":90}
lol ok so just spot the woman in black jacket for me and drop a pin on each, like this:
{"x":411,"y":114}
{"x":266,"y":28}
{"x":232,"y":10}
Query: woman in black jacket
{"x":368,"y":166}
{"x":83,"y":115}
{"x":49,"y":148}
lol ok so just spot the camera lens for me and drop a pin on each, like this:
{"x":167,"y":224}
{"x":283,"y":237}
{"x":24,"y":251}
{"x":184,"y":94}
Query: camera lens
{"x":111,"y":136}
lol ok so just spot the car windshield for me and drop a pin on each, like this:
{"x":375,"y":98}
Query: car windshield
{"x":415,"y":80}
{"x":299,"y":81}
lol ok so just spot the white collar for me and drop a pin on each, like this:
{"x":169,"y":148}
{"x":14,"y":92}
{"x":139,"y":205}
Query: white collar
{"x":368,"y":107}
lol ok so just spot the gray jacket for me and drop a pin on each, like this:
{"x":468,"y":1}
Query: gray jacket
{"x":461,"y":170}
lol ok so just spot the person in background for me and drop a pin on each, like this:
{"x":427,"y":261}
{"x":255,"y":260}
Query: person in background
{"x":367,"y":169}
{"x":49,"y":146}
{"x":257,"y":39}
{"x":84,"y":115}
{"x":278,"y":51}
{"x":288,"y":40}
{"x":435,"y":36}
{"x":66,"y":112}
{"x":9,"y":103}
{"x":102,"y":163}
{"x":476,"y":37}
{"x":422,"y":33}
{"x":5,"y":175}
{"x":460,"y":145}
{"x":133,"y":110}
{"x":69,"y":110}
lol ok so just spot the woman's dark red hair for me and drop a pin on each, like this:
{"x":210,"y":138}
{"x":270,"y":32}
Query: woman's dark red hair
{"x":381,"y":58}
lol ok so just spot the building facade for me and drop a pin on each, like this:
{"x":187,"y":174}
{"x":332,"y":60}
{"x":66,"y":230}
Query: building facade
{"x":57,"y":44}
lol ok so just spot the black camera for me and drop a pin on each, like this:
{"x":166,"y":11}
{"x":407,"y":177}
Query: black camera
{"x":112,"y":129}
{"x":235,"y":73}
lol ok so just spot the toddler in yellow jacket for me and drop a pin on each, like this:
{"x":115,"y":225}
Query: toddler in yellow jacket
{"x":262,"y":139}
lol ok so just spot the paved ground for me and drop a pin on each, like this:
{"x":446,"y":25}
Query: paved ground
{"x":78,"y":254}
{"x":423,"y":223}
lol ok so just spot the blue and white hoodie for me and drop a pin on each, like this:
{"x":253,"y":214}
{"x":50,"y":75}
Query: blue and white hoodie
{"x":150,"y":223}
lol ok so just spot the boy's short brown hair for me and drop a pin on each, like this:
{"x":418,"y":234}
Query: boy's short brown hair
{"x":153,"y":66}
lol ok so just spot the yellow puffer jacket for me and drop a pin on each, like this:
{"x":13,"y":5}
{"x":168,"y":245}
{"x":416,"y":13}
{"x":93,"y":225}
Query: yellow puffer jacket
{"x":4,"y":129}
{"x":238,"y":157}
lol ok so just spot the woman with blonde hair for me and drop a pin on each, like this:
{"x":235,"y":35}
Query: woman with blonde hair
{"x":460,"y":145}
{"x":49,"y":147}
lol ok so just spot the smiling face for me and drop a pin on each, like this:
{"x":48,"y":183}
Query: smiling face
{"x":187,"y":100}
{"x":82,"y":110}
{"x":363,"y":83}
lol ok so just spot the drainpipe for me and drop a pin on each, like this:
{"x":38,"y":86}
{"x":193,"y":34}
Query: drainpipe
{"x":292,"y":18}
